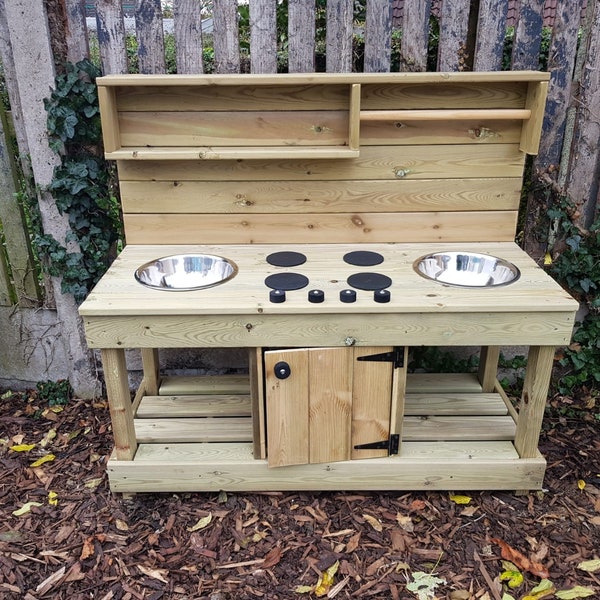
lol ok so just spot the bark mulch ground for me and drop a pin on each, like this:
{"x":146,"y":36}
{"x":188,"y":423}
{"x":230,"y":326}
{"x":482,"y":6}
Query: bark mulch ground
{"x":80,"y":541}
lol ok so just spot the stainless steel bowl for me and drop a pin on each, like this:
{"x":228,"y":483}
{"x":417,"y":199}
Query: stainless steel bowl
{"x":186,"y":272}
{"x":467,"y":269}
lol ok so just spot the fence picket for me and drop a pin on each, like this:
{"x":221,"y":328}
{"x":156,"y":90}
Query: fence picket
{"x":187,"y":22}
{"x":454,"y":27}
{"x":491,"y":31}
{"x":263,"y":37}
{"x":150,"y":37}
{"x":76,"y":32}
{"x":226,"y":36}
{"x":415,"y":36}
{"x":111,"y":37}
{"x":339,"y":36}
{"x":301,"y":36}
{"x":528,"y":35}
{"x":561,"y":61}
{"x":378,"y":36}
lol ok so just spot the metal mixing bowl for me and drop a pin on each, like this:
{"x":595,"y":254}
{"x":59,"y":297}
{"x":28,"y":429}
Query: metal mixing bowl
{"x":467,"y":269}
{"x":186,"y":272}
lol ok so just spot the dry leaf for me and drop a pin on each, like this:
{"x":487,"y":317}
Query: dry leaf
{"x":93,"y":483}
{"x":202,"y":523}
{"x":375,"y":523}
{"x":121,"y":525}
{"x":458,"y":499}
{"x":544,"y":589}
{"x":52,"y":498}
{"x":353,"y":543}
{"x":44,"y":459}
{"x":26,"y":508}
{"x":326,"y":580}
{"x":577,"y":592}
{"x":591,"y":566}
{"x":272,"y":557}
{"x":159,"y":574}
{"x":405,"y":522}
{"x":22,"y":447}
{"x":88,"y":548}
{"x":469,"y":511}
{"x":520,"y":560}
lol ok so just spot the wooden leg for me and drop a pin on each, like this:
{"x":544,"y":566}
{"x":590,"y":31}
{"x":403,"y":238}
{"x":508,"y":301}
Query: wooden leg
{"x":533,"y":400}
{"x":151,"y":367}
{"x":488,"y":367}
{"x":255,"y":366}
{"x":119,"y":401}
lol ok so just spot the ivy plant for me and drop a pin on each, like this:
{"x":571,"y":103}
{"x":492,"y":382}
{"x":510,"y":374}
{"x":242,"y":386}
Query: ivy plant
{"x":82,"y":185}
{"x":577,"y":267}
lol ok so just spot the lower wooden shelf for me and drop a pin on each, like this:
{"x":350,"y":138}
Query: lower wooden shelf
{"x":196,"y":435}
{"x":419,"y":466}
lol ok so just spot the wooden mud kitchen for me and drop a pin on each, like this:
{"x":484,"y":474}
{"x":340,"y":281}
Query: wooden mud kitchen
{"x":327,"y":223}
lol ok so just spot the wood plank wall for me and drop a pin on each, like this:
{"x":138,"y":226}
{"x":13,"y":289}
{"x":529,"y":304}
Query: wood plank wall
{"x":439,"y":159}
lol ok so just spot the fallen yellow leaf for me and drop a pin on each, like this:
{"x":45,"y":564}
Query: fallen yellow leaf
{"x":458,"y":499}
{"x":52,"y":498}
{"x":547,"y":259}
{"x":26,"y":508}
{"x":22,"y":447}
{"x":591,"y":566}
{"x":581,"y":484}
{"x":93,"y":483}
{"x":326,"y":580}
{"x":375,"y":523}
{"x":44,"y":459}
{"x":202,"y":523}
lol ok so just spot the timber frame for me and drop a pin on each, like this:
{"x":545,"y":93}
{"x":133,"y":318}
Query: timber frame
{"x":245,"y":165}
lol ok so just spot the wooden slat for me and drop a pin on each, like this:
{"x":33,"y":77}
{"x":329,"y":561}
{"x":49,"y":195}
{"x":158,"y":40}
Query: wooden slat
{"x":287,"y":409}
{"x":263,"y":36}
{"x":187,"y":18}
{"x":301,"y":36}
{"x":246,"y":197}
{"x":444,"y":403}
{"x":259,"y":128}
{"x":111,"y":134}
{"x":420,"y":466}
{"x":354,"y":117}
{"x":268,"y":153}
{"x":320,"y":229}
{"x":179,"y":385}
{"x":433,"y":383}
{"x":444,"y":114}
{"x":454,"y":22}
{"x":378,"y":33}
{"x":257,"y":393}
{"x":111,"y":37}
{"x":458,"y":428}
{"x":339,"y":36}
{"x":488,"y":367}
{"x":532,"y":130}
{"x":226,"y":36}
{"x":371,"y":402}
{"x":455,"y":161}
{"x":528,"y":35}
{"x":155,"y":407}
{"x":76,"y":32}
{"x":175,"y":431}
{"x":491,"y":31}
{"x":329,"y":404}
{"x":150,"y":37}
{"x":415,"y":38}
{"x":289,"y":97}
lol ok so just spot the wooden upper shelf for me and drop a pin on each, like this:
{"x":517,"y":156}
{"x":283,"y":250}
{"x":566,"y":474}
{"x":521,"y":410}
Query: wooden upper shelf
{"x":311,"y":116}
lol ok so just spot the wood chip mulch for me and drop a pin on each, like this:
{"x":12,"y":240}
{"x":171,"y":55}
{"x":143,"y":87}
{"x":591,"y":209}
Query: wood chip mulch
{"x":79,"y":541}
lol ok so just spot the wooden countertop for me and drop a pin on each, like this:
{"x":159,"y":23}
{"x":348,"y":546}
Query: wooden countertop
{"x":119,"y":294}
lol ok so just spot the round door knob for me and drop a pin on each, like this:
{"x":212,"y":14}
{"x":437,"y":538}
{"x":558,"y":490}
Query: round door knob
{"x":282,"y":370}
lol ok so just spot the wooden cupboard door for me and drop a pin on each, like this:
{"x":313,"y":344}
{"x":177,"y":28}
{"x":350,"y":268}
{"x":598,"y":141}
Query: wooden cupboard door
{"x":330,"y":404}
{"x":371,"y":401}
{"x":287,"y":409}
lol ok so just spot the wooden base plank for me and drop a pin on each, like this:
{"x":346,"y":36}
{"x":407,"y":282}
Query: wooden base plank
{"x":180,"y":385}
{"x":458,"y":428}
{"x":442,"y":403}
{"x":232,"y":467}
{"x":225,"y":429}
{"x":209,"y":405}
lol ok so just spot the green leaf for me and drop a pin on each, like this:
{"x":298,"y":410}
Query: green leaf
{"x":577,"y":592}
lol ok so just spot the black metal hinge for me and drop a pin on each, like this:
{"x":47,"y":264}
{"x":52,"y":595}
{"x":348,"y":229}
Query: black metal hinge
{"x":396,"y":356}
{"x":392,"y":445}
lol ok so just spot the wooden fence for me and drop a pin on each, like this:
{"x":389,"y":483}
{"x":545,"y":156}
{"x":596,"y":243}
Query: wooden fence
{"x":314,"y":35}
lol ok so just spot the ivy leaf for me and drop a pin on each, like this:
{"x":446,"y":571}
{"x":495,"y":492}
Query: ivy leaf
{"x":512,"y":575}
{"x":424,"y":585}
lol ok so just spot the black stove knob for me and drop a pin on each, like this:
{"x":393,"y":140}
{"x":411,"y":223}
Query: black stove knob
{"x":382,"y":296}
{"x":277,"y":296}
{"x":316,"y":296}
{"x":348,"y":296}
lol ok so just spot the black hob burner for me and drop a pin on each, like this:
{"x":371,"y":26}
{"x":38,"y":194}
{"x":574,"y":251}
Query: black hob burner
{"x":286,"y":259}
{"x":286,"y":281}
{"x":369,"y":281}
{"x":363,"y":258}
